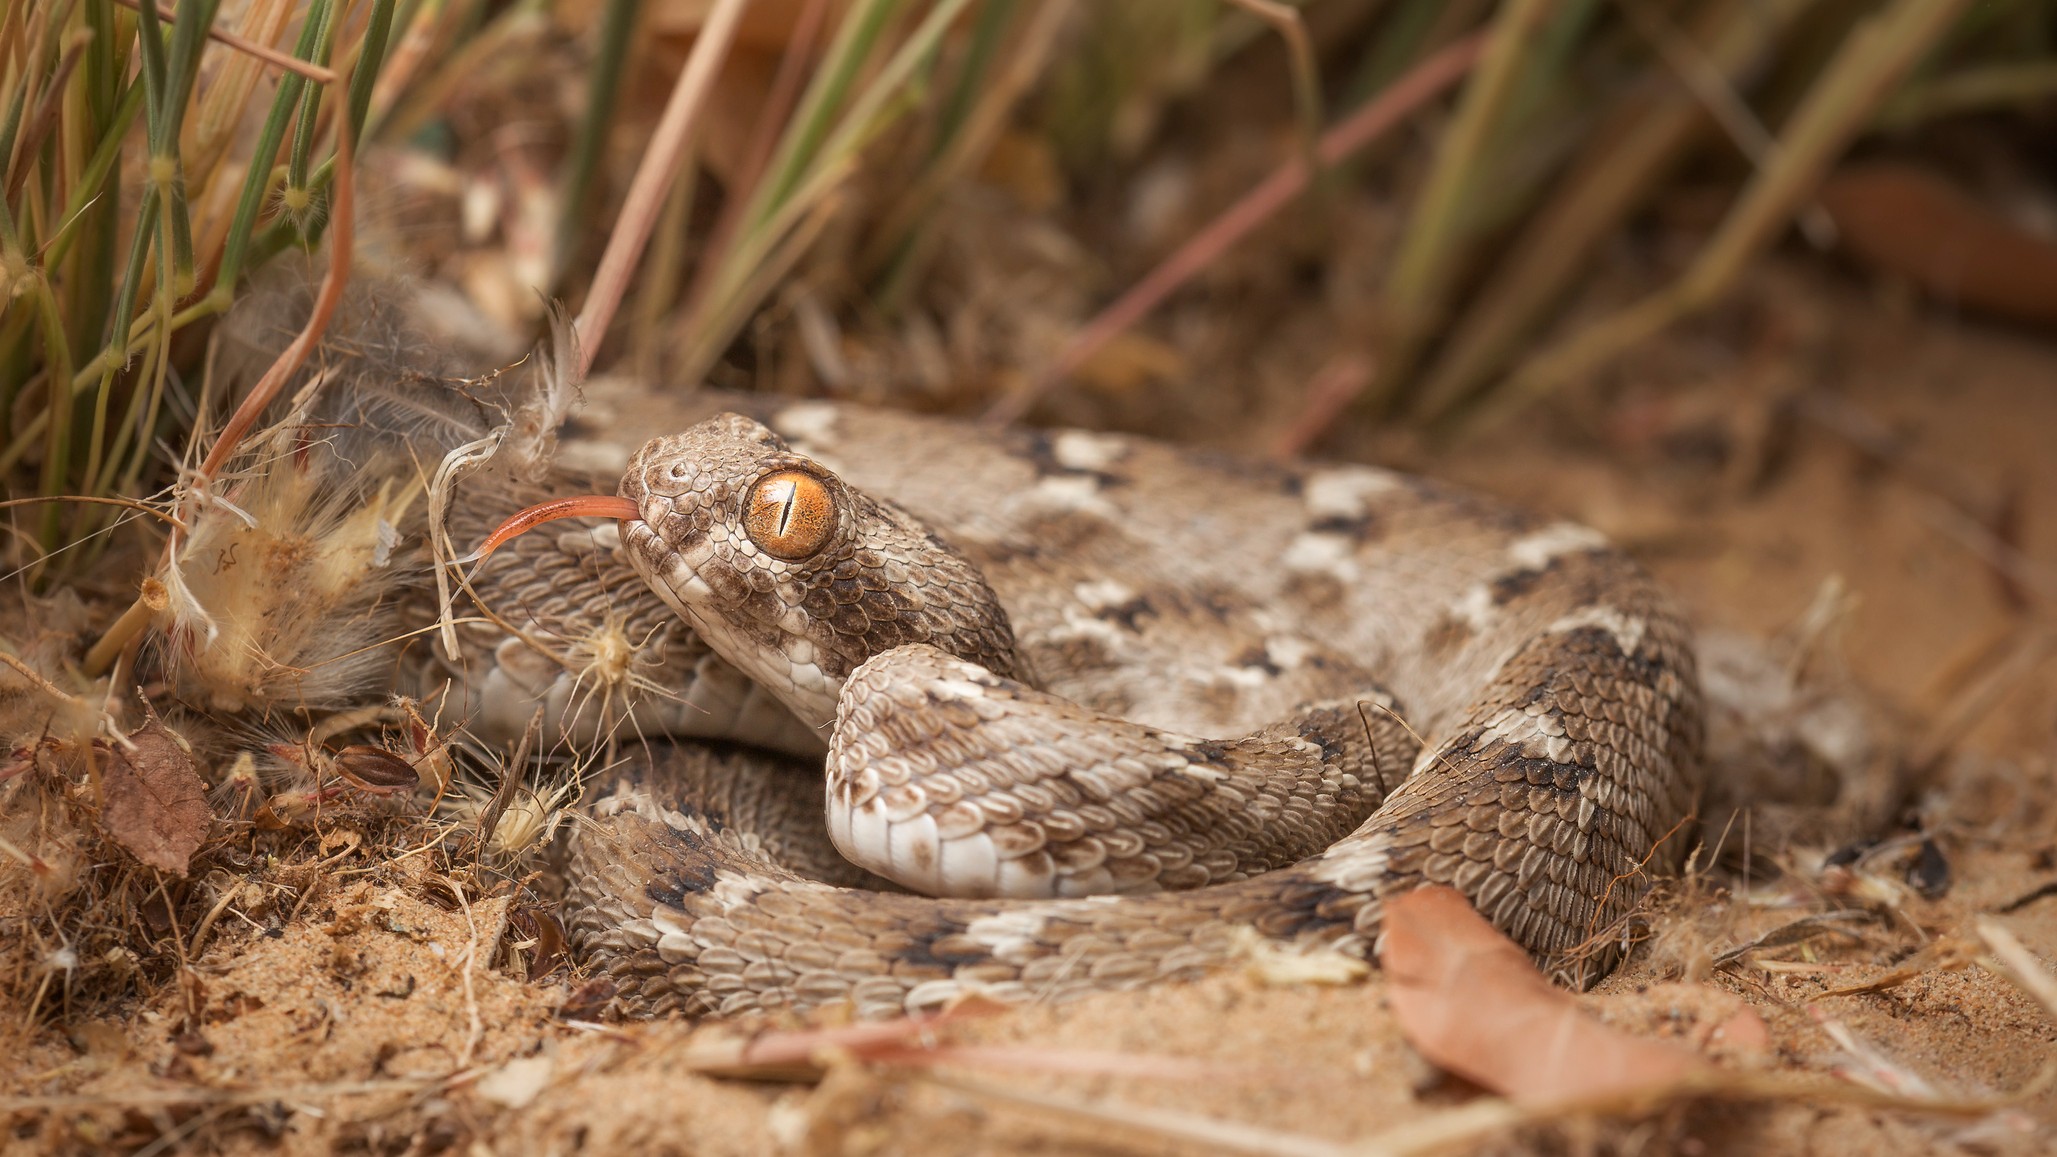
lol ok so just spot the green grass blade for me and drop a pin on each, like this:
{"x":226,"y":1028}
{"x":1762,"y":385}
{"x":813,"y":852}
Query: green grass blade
{"x":257,"y":179}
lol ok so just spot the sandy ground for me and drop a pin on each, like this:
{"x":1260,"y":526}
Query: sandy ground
{"x":377,"y":1017}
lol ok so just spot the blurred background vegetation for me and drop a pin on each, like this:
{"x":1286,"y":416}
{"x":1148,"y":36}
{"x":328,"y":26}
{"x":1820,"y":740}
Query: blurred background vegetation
{"x":926,"y":202}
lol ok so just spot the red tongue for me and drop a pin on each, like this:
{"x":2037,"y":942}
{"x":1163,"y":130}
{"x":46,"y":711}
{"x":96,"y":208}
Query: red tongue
{"x":584,"y":506}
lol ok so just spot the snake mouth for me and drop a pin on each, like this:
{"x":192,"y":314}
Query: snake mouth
{"x":583,"y":506}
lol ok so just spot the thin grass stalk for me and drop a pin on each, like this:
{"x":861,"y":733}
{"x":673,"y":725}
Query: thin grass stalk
{"x":405,"y":117}
{"x":286,"y":232}
{"x":16,"y":326}
{"x":868,"y":114}
{"x":772,"y":118}
{"x":57,"y":449}
{"x":653,"y":180}
{"x":93,"y":198}
{"x":1837,"y":106}
{"x":228,"y":95}
{"x":1405,"y":37}
{"x":258,"y":175}
{"x":855,"y":37}
{"x":371,"y":54}
{"x":664,"y":265}
{"x":731,"y":302}
{"x":1422,"y":270}
{"x":295,"y":354}
{"x":298,"y":196}
{"x":603,"y":93}
{"x":967,"y":137}
{"x":988,"y":31}
{"x":110,"y":367}
{"x":188,"y":37}
{"x":1620,"y":165}
{"x":35,"y":127}
{"x":99,"y":181}
{"x":366,"y":55}
{"x":1306,"y":72}
{"x":10,"y":133}
{"x":156,"y":369}
{"x":424,"y":25}
{"x":1972,"y":90}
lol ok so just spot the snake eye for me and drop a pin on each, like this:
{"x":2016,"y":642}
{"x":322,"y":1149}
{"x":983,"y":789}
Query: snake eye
{"x":790,"y":514}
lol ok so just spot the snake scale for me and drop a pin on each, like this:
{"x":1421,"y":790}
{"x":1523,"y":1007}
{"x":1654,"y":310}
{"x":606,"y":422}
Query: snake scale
{"x":1073,"y":663}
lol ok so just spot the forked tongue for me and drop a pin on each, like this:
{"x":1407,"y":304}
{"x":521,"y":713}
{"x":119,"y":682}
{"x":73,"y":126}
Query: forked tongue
{"x":583,"y":506}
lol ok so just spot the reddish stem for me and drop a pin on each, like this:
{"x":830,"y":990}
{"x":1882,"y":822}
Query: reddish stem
{"x":1367,"y":124}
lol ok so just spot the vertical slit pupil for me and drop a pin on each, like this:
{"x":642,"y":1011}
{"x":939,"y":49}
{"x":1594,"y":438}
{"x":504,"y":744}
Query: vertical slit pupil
{"x":788,"y":507}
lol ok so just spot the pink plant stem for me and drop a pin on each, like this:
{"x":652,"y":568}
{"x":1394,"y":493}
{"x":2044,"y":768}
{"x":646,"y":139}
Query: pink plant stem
{"x":653,"y":179}
{"x":1425,"y":82}
{"x":264,"y":52}
{"x":342,"y":230}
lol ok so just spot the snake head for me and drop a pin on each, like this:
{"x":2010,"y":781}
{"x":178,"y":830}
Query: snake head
{"x":791,"y":574}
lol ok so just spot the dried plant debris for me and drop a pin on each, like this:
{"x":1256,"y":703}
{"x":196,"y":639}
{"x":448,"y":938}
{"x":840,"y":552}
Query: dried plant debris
{"x":1802,"y":931}
{"x":156,"y":802}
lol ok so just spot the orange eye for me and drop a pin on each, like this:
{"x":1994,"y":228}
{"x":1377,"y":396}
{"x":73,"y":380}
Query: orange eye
{"x":790,"y":514}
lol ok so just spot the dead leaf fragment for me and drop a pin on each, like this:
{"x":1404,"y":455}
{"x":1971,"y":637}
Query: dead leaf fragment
{"x":156,"y":802}
{"x":1472,"y":1002}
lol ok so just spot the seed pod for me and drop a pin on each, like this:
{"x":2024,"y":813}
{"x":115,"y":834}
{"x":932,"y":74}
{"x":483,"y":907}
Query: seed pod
{"x":374,"y":770}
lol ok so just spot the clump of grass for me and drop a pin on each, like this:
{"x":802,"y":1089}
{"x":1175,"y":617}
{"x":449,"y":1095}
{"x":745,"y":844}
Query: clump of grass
{"x":128,"y":215}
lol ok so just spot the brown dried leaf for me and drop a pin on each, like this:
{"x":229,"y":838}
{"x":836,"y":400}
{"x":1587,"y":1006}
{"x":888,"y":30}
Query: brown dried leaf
{"x":1472,"y":1002}
{"x":156,"y":802}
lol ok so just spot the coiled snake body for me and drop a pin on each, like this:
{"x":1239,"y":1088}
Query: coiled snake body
{"x":1043,"y":646}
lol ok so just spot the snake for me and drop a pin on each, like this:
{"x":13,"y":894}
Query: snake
{"x":1029,"y":714}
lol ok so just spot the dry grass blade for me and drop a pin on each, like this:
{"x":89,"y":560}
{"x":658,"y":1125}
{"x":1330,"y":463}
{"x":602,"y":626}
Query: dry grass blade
{"x":778,"y":106}
{"x":654,"y":175}
{"x":1949,"y":955}
{"x":1210,"y":1132}
{"x":1627,"y":155}
{"x":1798,"y":932}
{"x":1422,"y":270}
{"x":2029,"y":974}
{"x":1873,"y":58}
{"x":975,"y":137}
{"x":1285,"y":20}
{"x":203,"y":1095}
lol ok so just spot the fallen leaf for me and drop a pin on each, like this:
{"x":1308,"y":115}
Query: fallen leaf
{"x":1472,"y":1002}
{"x":156,"y":802}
